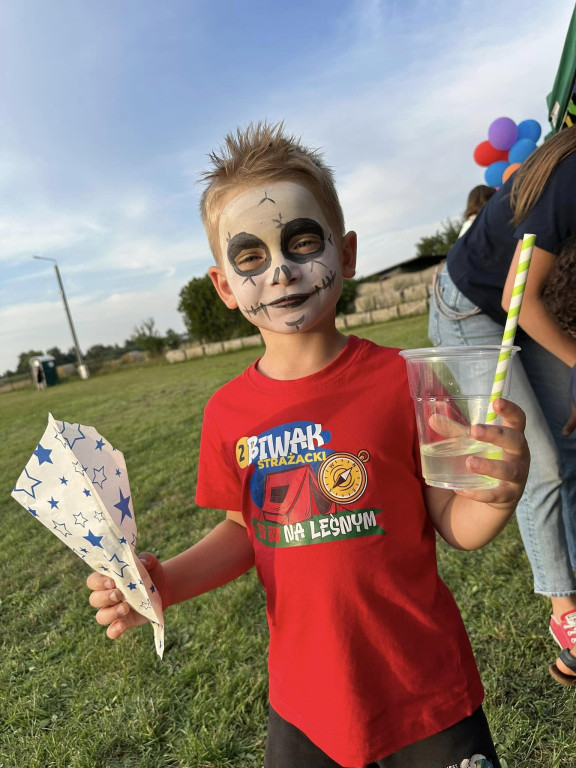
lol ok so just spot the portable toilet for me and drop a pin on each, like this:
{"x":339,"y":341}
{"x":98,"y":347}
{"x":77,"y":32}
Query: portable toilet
{"x":43,"y":369}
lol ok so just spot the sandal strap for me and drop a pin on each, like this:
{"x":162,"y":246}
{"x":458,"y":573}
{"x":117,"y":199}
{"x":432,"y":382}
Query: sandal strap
{"x":568,"y":659}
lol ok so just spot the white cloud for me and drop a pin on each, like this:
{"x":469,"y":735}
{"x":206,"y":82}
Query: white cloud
{"x":147,"y":256}
{"x":44,"y":325}
{"x":26,"y":233}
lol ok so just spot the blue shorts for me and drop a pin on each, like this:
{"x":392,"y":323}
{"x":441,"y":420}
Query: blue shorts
{"x":469,"y":740}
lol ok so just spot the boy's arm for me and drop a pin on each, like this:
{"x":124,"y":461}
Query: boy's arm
{"x":221,"y":556}
{"x":471,"y":519}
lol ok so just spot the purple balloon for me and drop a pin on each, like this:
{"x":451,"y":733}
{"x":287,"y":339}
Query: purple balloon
{"x":502,"y":133}
{"x":493,"y":174}
{"x":529,"y":129}
{"x":520,"y":151}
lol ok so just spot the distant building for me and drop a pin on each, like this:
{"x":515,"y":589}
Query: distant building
{"x":417,"y":264}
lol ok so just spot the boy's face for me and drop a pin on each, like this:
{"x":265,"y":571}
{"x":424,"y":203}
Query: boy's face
{"x":280,"y":261}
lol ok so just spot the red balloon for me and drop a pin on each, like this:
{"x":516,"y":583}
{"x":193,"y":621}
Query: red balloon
{"x":485,"y":154}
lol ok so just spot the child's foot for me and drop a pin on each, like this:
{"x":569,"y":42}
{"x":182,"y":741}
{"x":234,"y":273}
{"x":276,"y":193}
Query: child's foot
{"x":563,"y":630}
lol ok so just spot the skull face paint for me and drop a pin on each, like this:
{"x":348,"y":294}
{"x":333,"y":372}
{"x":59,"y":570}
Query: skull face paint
{"x":279,"y":257}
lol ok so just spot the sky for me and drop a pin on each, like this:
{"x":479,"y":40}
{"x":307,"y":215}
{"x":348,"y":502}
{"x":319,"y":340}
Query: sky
{"x":110,"y":109}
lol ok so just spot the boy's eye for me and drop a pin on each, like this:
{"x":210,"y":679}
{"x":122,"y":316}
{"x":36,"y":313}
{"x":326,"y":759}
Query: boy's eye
{"x":248,"y":254}
{"x":303,"y":244}
{"x":302,"y":240}
{"x":250,"y":260}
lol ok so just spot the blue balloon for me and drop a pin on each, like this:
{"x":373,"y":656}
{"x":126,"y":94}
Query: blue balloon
{"x":529,"y":129}
{"x":493,"y":174}
{"x":520,"y":151}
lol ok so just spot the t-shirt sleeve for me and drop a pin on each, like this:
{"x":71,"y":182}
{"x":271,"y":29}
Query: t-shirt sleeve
{"x":553,"y":218}
{"x":219,"y":485}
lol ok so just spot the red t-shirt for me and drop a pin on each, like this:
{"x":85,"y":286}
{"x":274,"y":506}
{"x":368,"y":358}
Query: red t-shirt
{"x":368,"y":652}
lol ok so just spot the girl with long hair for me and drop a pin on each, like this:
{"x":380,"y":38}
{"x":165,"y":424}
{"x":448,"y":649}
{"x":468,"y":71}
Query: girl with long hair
{"x":470,"y":301}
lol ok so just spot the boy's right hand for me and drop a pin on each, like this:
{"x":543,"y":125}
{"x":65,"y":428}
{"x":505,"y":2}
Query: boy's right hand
{"x":114,"y":612}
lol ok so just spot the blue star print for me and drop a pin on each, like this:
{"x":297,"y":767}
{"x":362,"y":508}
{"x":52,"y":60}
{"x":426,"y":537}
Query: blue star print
{"x":123,"y":506}
{"x":100,"y":444}
{"x":33,"y":482}
{"x":72,"y":433}
{"x":132,"y":585}
{"x":93,"y":539}
{"x":43,"y":455}
{"x":53,"y":503}
{"x":86,"y":492}
{"x":63,"y":480}
{"x":33,"y":512}
{"x":79,"y":519}
{"x":122,"y":565}
{"x":99,"y":476}
{"x":61,"y":528}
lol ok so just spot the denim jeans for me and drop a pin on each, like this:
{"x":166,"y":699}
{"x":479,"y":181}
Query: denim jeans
{"x":546,"y":513}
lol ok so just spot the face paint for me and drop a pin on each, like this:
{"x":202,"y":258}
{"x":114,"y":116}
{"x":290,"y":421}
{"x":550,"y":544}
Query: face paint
{"x":279,"y":258}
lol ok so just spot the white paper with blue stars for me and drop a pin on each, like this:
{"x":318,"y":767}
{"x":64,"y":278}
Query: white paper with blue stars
{"x":76,"y":484}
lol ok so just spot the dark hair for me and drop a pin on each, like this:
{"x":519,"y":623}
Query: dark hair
{"x":477,"y":199}
{"x":559,"y":294}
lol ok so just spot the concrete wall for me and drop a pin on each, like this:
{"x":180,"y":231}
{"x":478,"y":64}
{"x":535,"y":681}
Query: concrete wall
{"x":191,"y":351}
{"x":400,"y":289}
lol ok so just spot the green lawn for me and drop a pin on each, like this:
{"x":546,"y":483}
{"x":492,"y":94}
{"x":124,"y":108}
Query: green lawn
{"x":70,"y":698}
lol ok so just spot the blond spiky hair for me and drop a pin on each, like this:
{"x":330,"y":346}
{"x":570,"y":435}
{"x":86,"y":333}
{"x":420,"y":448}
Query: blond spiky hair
{"x":263,"y":152}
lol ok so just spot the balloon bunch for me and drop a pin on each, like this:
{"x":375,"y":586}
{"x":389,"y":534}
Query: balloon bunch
{"x":507,"y":147}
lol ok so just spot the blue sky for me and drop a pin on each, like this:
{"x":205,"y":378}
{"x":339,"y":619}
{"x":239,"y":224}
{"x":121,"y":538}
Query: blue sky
{"x":109,"y":110}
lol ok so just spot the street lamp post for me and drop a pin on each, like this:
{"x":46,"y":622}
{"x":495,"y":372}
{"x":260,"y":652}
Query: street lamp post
{"x":82,"y":367}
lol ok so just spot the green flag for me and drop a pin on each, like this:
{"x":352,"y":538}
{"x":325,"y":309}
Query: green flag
{"x":562,"y":99}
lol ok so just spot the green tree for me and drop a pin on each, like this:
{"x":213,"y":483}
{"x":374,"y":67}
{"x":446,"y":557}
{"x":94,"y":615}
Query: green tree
{"x":102,"y":352}
{"x":345,"y":305}
{"x":146,"y":337}
{"x":173,"y":339}
{"x":440,"y":243}
{"x":206,"y":317}
{"x":62,"y":357}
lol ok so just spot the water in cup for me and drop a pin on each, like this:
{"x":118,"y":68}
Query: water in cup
{"x":444,"y":463}
{"x":451,"y":388}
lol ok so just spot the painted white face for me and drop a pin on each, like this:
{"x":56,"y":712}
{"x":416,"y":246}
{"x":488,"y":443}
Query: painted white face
{"x":279,"y":257}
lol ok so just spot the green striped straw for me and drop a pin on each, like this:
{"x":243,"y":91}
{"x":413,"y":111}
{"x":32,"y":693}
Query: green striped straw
{"x":511,"y":322}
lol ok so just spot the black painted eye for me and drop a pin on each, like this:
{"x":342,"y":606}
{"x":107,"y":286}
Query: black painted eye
{"x":304,"y":244}
{"x":249,"y":261}
{"x":248,"y":254}
{"x":302,"y":240}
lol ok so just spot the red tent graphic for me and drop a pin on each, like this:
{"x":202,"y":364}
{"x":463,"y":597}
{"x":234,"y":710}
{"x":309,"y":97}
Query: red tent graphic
{"x":292,"y":495}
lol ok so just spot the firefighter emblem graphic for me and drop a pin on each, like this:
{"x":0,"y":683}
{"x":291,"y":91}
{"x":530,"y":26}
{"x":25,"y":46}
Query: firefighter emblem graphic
{"x":342,"y":476}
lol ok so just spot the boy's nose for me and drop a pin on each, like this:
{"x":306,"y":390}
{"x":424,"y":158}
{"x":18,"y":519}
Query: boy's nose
{"x":285,"y":274}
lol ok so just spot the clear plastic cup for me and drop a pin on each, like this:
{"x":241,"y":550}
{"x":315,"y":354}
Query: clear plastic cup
{"x":451,"y":388}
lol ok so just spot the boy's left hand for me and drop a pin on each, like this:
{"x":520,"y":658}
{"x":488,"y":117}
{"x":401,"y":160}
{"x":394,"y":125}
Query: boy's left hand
{"x":512,"y":468}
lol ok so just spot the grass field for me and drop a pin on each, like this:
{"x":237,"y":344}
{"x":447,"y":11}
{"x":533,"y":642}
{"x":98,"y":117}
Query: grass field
{"x":70,"y":698}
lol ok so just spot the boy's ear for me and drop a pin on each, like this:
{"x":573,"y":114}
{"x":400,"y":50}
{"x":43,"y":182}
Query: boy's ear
{"x":222,"y":287}
{"x":349,"y":245}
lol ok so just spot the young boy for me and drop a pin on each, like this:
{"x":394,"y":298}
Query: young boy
{"x":313,"y":451}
